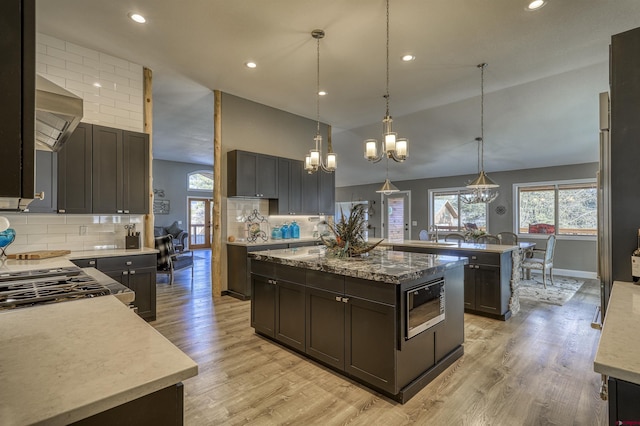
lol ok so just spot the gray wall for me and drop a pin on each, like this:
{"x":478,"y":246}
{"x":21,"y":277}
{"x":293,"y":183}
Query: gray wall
{"x":171,"y":176}
{"x":577,"y":255}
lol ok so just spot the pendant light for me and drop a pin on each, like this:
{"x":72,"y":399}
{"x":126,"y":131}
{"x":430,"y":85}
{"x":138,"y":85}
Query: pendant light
{"x":391,"y":146}
{"x":387,"y":187}
{"x":482,"y":188}
{"x":314,"y":161}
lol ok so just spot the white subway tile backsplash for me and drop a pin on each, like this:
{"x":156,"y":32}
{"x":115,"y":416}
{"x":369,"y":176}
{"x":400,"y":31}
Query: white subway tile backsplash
{"x":50,"y":41}
{"x":76,"y":68}
{"x":29,"y":229}
{"x":82,"y":51}
{"x":82,"y":219}
{"x":113,"y":60}
{"x":46,"y":238}
{"x":46,"y":219}
{"x":62,"y":54}
{"x":63,"y":229}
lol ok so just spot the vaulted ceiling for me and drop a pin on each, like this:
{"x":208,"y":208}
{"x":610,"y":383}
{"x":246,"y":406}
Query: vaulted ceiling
{"x":545,"y":71}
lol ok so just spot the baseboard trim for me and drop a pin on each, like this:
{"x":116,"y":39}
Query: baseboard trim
{"x":570,"y":273}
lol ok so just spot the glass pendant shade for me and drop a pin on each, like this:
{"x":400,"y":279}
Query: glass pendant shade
{"x":390,"y":141}
{"x":370,"y":149}
{"x":387,"y":188}
{"x":314,"y":156}
{"x":402,"y":148}
{"x":332,"y":161}
{"x":307,"y":164}
{"x":482,"y":181}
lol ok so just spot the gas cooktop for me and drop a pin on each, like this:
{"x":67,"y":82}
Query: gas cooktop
{"x":32,"y":287}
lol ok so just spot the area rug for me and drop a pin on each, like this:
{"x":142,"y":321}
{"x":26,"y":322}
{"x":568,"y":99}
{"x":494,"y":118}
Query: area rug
{"x":558,"y":293}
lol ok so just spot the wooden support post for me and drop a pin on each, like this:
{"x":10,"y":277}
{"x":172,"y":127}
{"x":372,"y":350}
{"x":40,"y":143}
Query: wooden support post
{"x":216,"y":244}
{"x":148,"y":129}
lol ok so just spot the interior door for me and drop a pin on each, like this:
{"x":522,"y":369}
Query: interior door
{"x":397,"y":216}
{"x":200,"y":212}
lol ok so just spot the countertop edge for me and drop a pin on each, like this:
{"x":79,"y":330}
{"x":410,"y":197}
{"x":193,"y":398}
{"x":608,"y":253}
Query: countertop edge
{"x":83,"y":254}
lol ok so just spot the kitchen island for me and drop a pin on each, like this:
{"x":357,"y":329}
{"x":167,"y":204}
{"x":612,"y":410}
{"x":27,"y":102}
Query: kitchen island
{"x":491,"y":278}
{"x":372,"y":319}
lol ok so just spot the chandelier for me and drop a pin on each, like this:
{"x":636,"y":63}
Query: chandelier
{"x":482,"y":188}
{"x":313,"y":161}
{"x":391,"y":146}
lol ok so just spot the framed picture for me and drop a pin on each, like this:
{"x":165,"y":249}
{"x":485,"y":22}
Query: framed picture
{"x":161,"y":207}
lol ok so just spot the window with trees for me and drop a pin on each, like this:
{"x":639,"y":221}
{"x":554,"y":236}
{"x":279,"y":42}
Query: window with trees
{"x":449,"y":212}
{"x":200,"y":181}
{"x":561,"y":208}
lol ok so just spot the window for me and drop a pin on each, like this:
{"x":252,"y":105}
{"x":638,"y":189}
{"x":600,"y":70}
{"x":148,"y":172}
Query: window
{"x":450,"y":213}
{"x":200,"y":181}
{"x":561,"y":208}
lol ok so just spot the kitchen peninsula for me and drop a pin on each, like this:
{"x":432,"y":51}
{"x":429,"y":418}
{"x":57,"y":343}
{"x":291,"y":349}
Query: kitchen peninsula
{"x":490,"y":278}
{"x":390,"y":320}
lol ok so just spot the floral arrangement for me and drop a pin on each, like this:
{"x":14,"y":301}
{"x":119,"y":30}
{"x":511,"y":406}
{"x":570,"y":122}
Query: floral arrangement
{"x":348,"y":235}
{"x":472,"y":234}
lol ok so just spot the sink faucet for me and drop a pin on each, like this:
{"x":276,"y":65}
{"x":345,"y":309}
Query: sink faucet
{"x":434,"y":228}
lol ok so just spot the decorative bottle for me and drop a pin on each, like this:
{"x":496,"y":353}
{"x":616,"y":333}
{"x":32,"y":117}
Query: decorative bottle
{"x":295,"y":230}
{"x":284,"y":229}
{"x":276,"y":234}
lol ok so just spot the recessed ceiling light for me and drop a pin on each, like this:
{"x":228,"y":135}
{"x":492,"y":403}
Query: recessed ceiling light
{"x":536,"y":4}
{"x":137,"y":18}
{"x":408,"y":58}
{"x":322,"y":93}
{"x":251,"y":64}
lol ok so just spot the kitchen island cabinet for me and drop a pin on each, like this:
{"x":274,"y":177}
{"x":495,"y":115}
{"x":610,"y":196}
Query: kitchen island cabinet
{"x":487,"y":277}
{"x":97,"y":357}
{"x":355,"y":308}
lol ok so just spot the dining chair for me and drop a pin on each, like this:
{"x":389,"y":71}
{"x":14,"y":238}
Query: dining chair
{"x":454,"y":237}
{"x":543,"y":262}
{"x":508,"y":238}
{"x":487,"y":239}
{"x":424,"y":235}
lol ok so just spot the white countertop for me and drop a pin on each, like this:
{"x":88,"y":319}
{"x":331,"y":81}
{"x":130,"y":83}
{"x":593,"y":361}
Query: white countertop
{"x":63,"y":362}
{"x":85,"y":254}
{"x":618,"y":352}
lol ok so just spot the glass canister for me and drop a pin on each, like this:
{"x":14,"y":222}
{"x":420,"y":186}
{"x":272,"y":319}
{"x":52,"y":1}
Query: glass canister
{"x":276,"y":234}
{"x":295,"y":230}
{"x":284,"y":230}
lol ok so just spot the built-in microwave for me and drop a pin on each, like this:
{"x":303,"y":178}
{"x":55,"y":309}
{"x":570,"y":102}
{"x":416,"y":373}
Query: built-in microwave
{"x":424,"y":307}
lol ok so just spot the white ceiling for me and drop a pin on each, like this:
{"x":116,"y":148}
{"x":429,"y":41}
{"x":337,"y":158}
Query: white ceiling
{"x":545,"y":71}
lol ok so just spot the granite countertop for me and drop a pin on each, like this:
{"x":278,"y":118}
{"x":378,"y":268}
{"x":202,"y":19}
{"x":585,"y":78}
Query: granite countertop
{"x":457,"y":245}
{"x":618,"y":349}
{"x":389,"y":266}
{"x":270,"y":242}
{"x":67,"y":361}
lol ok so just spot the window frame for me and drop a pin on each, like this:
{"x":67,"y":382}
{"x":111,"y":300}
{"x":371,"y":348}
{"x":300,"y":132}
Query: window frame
{"x":556,"y":184}
{"x":195,"y":172}
{"x":460,"y":190}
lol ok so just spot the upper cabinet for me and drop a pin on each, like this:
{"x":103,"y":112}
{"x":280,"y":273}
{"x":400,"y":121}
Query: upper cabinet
{"x":289,"y":187}
{"x":319,"y":193}
{"x":46,"y":183}
{"x":104,"y":170}
{"x":252,"y":175}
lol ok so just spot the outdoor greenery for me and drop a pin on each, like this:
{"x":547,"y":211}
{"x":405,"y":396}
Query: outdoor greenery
{"x":201,"y":181}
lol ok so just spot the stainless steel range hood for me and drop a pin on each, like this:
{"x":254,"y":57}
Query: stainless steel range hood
{"x":58,"y":113}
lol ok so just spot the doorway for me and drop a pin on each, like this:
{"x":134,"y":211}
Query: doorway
{"x":200,"y":213}
{"x":397,"y":216}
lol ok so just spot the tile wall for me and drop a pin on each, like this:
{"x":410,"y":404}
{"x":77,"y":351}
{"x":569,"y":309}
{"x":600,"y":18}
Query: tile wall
{"x":117,"y":103}
{"x":239,"y":209}
{"x":70,"y":232}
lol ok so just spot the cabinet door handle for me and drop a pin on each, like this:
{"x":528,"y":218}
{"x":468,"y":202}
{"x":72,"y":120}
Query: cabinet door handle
{"x":345,"y":299}
{"x":125,"y":272}
{"x":92,"y":262}
{"x":118,"y":211}
{"x":132,"y":272}
{"x":126,"y":211}
{"x":128,"y":262}
{"x":62,"y":211}
{"x":338,"y":299}
{"x":474,"y":257}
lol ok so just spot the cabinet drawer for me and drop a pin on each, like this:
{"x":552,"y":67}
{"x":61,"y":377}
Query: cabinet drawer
{"x":85,"y":263}
{"x":126,"y":262}
{"x":266,"y":269}
{"x":370,"y":290}
{"x":291,"y":274}
{"x":483,"y":258}
{"x":325,"y":281}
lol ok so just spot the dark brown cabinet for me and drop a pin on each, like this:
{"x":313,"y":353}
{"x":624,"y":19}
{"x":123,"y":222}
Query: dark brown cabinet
{"x":104,"y":170}
{"x":289,"y":187}
{"x":252,"y":175}
{"x":318,"y":193}
{"x":325,"y":324}
{"x":74,"y":171}
{"x":137,"y":272}
{"x":46,"y":183}
{"x":17,"y":109}
{"x":623,"y":402}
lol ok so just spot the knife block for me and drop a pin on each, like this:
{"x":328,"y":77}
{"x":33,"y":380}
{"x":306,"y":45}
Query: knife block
{"x":132,"y":242}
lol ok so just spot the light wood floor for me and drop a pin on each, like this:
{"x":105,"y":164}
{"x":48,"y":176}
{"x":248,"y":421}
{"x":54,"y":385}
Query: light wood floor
{"x":534,"y":369}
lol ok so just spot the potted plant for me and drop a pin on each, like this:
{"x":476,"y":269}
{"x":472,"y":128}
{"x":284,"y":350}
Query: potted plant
{"x":348,"y":235}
